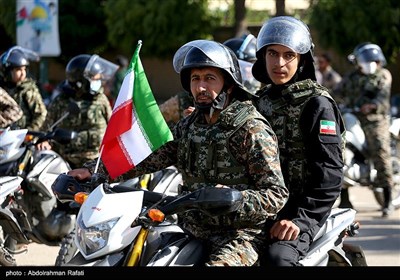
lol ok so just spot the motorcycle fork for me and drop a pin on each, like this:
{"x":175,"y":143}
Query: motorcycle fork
{"x":135,"y":253}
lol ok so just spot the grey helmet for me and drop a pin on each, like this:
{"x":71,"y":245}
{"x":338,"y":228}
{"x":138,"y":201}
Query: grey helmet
{"x":244,"y":47}
{"x":16,"y":57}
{"x":289,"y":32}
{"x":367,"y":52}
{"x":207,"y":53}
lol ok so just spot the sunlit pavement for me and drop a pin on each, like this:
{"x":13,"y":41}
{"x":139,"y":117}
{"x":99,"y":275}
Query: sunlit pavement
{"x":379,"y":237}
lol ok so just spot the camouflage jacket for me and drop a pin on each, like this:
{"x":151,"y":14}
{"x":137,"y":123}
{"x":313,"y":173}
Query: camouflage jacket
{"x":172,"y":109}
{"x":250,"y":151}
{"x":28,"y":97}
{"x":357,"y":89}
{"x":90,"y":124}
{"x":10,"y":111}
{"x":311,"y":157}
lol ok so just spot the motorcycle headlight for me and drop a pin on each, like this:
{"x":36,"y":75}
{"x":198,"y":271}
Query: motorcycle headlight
{"x":94,"y":238}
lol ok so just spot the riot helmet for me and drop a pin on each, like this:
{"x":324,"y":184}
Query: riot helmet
{"x":16,"y":57}
{"x":245,"y":50}
{"x":244,"y":47}
{"x":366,"y":56}
{"x":86,"y":72}
{"x":291,"y":33}
{"x":206,"y":53}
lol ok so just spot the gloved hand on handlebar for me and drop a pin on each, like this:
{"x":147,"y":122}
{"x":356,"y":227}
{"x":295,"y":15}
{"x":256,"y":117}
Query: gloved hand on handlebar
{"x":81,"y":174}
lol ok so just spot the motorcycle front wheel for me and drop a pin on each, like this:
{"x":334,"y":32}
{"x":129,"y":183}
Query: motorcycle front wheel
{"x":67,"y":249}
{"x":378,"y":192}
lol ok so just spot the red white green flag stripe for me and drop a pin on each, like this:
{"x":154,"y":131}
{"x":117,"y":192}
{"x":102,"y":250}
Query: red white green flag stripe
{"x":327,"y":127}
{"x":136,"y":127}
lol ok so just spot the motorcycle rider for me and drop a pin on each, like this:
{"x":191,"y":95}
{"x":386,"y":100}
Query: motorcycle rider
{"x":224,"y":143}
{"x":85,"y":76}
{"x":368,"y":88}
{"x":181,"y":105}
{"x":309,"y":128}
{"x":14,"y":65}
{"x":10,"y":111}
{"x":245,"y":50}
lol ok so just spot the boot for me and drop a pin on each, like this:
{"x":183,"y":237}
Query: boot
{"x":344,"y":198}
{"x":387,"y":208}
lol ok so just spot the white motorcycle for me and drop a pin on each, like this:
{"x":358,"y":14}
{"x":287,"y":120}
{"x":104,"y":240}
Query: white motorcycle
{"x":9,"y":185}
{"x":123,"y":225}
{"x":34,"y":208}
{"x":359,"y":169}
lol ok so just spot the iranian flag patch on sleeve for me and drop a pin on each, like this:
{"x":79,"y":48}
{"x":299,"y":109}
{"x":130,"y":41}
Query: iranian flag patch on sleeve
{"x":327,"y":127}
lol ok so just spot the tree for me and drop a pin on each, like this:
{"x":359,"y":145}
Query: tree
{"x":341,"y":25}
{"x":163,"y":26}
{"x":240,"y":23}
{"x":280,"y":6}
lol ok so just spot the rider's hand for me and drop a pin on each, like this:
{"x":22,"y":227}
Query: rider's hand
{"x":188,"y":111}
{"x":80,"y":174}
{"x":368,"y":108}
{"x":43,"y":146}
{"x":284,"y":230}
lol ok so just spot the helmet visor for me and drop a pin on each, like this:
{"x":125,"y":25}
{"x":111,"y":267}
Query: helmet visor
{"x":29,"y":54}
{"x":99,"y":68}
{"x":209,"y":48}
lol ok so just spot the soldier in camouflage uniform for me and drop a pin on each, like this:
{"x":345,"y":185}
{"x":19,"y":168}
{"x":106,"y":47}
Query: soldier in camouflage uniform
{"x":176,"y":107}
{"x":309,"y":128}
{"x":225,"y":142}
{"x":368,"y":89}
{"x":13,"y":65}
{"x":10,"y":112}
{"x":85,"y":76}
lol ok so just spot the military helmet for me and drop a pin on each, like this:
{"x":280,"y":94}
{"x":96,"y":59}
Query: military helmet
{"x":367,"y":52}
{"x":206,"y":53}
{"x":289,"y":32}
{"x":83,"y":69}
{"x":244,"y":47}
{"x":16,"y":57}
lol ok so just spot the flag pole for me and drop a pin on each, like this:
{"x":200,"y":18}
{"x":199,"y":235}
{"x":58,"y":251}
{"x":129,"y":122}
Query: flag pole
{"x":98,"y":159}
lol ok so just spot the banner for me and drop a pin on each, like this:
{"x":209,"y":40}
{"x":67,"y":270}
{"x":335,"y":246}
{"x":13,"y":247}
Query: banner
{"x":37,"y":26}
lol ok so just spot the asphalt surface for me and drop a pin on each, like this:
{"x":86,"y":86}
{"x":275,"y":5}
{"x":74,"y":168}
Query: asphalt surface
{"x":379,"y":237}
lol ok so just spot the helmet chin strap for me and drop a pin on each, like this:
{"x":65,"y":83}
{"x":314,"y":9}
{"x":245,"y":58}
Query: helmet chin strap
{"x":217,"y":104}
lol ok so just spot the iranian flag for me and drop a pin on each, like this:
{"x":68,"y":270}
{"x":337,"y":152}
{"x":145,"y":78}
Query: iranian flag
{"x":327,"y":127}
{"x":136,"y":127}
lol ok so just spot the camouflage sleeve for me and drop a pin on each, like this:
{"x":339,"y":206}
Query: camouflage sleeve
{"x":256,"y":146}
{"x":170,"y":109}
{"x":103,"y":99}
{"x":10,"y":111}
{"x":383,"y":90}
{"x":37,"y":108}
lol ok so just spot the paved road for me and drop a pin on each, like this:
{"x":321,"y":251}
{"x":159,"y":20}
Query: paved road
{"x":380,"y":238}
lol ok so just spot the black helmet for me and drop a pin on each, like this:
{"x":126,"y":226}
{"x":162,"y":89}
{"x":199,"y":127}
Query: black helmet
{"x":244,"y":47}
{"x":289,"y":32}
{"x":16,"y":57}
{"x":84,"y":69}
{"x":206,"y":53}
{"x":367,"y":52}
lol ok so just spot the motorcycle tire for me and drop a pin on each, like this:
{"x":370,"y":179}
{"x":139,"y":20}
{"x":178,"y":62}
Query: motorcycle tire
{"x":378,"y":192}
{"x":6,"y":259}
{"x":355,"y":254}
{"x":67,"y":249}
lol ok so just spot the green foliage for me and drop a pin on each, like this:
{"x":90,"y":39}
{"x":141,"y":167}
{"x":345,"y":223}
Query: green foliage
{"x":163,"y":26}
{"x":81,"y":27}
{"x":7,"y":17}
{"x":341,"y":25}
